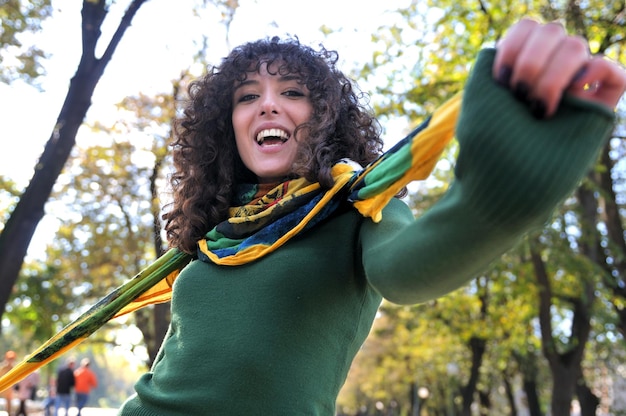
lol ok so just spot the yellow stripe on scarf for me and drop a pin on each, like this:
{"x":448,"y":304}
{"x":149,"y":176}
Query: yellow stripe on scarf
{"x":342,"y":173}
{"x":426,"y":148}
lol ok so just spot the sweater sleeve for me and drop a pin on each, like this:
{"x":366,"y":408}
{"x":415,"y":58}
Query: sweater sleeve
{"x":511,"y":172}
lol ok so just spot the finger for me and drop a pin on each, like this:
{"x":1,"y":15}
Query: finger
{"x":603,"y":81}
{"x":535,"y":56}
{"x":508,"y":48}
{"x":569,"y":56}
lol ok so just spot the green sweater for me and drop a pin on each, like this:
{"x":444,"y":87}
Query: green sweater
{"x":277,"y":336}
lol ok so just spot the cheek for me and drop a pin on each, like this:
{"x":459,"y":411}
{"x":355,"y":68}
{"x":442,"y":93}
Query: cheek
{"x":236,"y":121}
{"x":302,"y":115}
{"x":241,"y":148}
{"x":240,"y":126}
{"x":238,"y":131}
{"x":307,"y":111}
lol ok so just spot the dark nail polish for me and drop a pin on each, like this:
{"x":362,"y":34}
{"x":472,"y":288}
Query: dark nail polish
{"x":522,"y":91}
{"x":538,"y":109}
{"x":581,"y":73}
{"x":504,"y":75}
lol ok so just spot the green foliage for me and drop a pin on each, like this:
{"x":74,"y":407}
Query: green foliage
{"x":40,"y":304}
{"x":436,"y":42}
{"x":18,"y":18}
{"x":105,"y":201}
{"x":106,"y":206}
{"x":8,"y":198}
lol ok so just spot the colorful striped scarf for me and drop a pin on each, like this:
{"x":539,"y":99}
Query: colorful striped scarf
{"x":258,"y":227}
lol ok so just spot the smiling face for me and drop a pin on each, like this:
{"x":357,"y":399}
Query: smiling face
{"x":267,"y":109}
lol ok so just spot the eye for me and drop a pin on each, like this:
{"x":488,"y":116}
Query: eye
{"x":246,"y":97}
{"x":293,"y":93}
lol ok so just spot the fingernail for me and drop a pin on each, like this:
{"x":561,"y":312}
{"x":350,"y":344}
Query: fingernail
{"x":504,"y":75}
{"x":522,"y":91}
{"x":581,"y":73}
{"x":538,"y":109}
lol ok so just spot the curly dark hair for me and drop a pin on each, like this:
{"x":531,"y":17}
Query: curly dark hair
{"x":207,"y":165}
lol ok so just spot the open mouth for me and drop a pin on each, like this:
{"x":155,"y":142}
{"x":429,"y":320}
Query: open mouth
{"x":272,"y":136}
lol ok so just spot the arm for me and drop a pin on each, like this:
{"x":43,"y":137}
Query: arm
{"x":512,"y":171}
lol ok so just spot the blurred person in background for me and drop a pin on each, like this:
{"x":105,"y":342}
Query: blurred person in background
{"x":7,"y":364}
{"x":65,"y":383}
{"x":49,"y":401}
{"x":26,"y":390}
{"x":85,"y":381}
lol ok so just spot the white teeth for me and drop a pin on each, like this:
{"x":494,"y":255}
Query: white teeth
{"x":263,"y":134}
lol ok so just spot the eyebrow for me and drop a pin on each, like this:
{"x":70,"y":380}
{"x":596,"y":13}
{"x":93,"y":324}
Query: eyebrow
{"x":281,"y":78}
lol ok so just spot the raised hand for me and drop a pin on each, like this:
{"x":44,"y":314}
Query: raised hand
{"x":541,"y":62}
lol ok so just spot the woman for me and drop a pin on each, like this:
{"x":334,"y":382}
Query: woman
{"x":277,"y":335}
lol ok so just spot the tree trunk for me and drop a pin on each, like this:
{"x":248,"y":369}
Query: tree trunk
{"x":485,"y":402}
{"x":19,"y":229}
{"x":478,"y":347}
{"x":563,"y":390}
{"x":527,"y":363}
{"x":616,"y":235}
{"x":530,"y":388}
{"x":588,"y":401}
{"x":155,"y":333}
{"x":565,"y":367}
{"x":509,"y":394}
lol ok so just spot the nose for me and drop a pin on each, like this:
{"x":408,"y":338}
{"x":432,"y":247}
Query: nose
{"x":269,"y":104}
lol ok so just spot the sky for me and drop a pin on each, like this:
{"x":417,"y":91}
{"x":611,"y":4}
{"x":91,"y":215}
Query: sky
{"x":159,"y":44}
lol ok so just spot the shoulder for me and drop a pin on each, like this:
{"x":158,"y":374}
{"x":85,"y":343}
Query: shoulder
{"x":395,"y":216}
{"x":397,"y":205}
{"x":397,"y":211}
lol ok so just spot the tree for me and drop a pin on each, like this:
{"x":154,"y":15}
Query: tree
{"x":19,"y":229}
{"x":564,"y":354}
{"x":110,"y":192}
{"x":151,"y":118}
